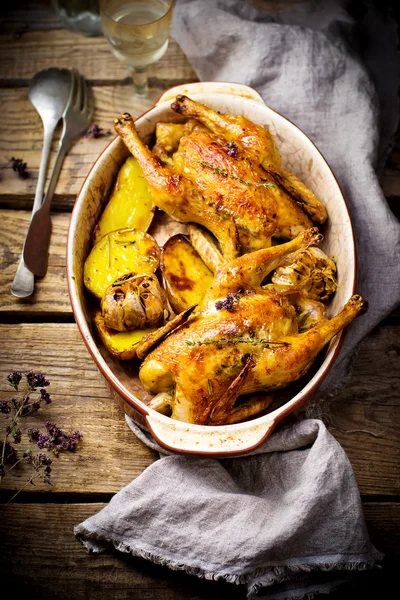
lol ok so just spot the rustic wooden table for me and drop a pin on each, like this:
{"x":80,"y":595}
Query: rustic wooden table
{"x":41,"y":557}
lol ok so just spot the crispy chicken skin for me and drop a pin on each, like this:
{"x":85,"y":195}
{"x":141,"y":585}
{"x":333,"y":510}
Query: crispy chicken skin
{"x":224,"y":173}
{"x":243,"y":339}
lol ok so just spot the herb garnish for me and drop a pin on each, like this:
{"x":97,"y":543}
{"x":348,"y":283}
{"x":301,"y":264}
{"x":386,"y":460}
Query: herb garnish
{"x":229,"y":302}
{"x":232,"y":149}
{"x":237,"y":340}
{"x":210,"y":387}
{"x":224,"y":173}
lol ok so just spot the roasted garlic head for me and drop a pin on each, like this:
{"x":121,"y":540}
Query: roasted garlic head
{"x":134,"y":302}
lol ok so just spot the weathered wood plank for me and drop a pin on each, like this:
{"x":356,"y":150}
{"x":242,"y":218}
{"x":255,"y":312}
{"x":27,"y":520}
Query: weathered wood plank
{"x":36,"y":50}
{"x":51,"y":563}
{"x":27,"y":15}
{"x":41,"y":557}
{"x":51,"y":294}
{"x":367,"y":411}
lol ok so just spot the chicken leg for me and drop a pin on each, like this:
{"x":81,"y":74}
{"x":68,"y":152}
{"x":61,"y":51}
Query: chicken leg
{"x":248,"y":271}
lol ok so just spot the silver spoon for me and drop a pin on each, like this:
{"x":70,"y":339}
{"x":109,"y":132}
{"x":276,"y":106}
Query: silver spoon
{"x":49,"y":92}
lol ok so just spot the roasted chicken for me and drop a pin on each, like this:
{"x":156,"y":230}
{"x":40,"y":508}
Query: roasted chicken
{"x":241,"y":340}
{"x":225,"y":173}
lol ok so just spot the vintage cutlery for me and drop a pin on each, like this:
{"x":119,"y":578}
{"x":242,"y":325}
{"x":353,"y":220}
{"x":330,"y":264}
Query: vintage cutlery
{"x":49,"y":92}
{"x":76,"y":119}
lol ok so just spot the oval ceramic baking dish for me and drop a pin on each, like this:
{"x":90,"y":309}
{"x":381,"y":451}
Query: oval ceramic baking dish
{"x":301,"y":157}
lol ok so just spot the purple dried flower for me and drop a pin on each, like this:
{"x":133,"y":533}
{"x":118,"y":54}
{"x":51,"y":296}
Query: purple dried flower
{"x":8,"y":430}
{"x":45,"y":396}
{"x":5,"y":407}
{"x":42,"y":441}
{"x":30,"y":379}
{"x":20,"y":167}
{"x":14,"y":378}
{"x":229,"y":302}
{"x":44,"y":459}
{"x":33,"y":434}
{"x":36,"y":380}
{"x":232,"y":149}
{"x":94,"y":132}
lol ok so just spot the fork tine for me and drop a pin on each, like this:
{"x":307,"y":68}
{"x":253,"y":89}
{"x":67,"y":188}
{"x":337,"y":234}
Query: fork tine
{"x":85,"y":95}
{"x":71,"y":96}
{"x":79,"y":91}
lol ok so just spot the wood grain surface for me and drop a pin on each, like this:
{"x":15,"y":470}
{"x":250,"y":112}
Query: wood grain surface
{"x":364,"y":416}
{"x":122,"y":577}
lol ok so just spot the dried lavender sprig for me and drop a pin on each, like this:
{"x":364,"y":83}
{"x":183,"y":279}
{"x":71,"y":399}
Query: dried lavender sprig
{"x":55,"y":439}
{"x":20,"y":167}
{"x":14,"y":378}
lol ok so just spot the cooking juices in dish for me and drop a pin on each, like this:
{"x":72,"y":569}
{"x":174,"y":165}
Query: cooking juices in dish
{"x":239,"y":307}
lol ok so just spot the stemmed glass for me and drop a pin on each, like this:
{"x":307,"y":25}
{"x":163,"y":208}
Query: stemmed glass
{"x":138,"y":32}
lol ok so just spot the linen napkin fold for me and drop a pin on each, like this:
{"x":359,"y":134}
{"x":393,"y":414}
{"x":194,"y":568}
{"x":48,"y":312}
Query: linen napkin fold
{"x":273,"y":517}
{"x":287,"y":518}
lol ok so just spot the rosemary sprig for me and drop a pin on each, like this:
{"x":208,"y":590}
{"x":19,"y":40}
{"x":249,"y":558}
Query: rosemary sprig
{"x":224,"y":173}
{"x":125,"y":242}
{"x":210,"y":387}
{"x":236,"y":340}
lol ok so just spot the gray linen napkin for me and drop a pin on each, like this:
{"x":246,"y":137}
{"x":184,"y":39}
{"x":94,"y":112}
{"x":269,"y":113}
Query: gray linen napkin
{"x":290,"y":508}
{"x":288,"y":518}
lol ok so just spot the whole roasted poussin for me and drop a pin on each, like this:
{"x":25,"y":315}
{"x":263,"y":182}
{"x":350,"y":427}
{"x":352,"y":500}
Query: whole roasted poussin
{"x":225,"y":175}
{"x":242,"y":339}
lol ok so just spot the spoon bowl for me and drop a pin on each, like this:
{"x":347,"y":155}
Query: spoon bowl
{"x":49,"y":93}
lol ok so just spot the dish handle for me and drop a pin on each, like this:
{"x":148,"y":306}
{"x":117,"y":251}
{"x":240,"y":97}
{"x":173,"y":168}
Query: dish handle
{"x":177,"y":436}
{"x":210,"y":87}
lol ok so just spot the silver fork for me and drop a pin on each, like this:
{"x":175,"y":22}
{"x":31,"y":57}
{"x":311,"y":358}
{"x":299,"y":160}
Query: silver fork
{"x":76,"y":119}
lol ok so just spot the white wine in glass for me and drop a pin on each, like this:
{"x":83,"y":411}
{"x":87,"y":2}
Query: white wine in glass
{"x":138,"y":32}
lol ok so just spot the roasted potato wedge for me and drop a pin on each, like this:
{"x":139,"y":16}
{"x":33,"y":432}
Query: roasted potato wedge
{"x":117,"y":253}
{"x":121,"y":344}
{"x":130,"y":205}
{"x":186,"y":276}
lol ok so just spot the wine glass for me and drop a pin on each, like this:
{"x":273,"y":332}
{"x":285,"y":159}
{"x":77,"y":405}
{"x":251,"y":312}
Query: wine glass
{"x":138,"y":32}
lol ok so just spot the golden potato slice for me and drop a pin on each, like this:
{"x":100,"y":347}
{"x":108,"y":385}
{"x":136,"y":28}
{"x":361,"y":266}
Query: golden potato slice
{"x":186,"y":276}
{"x":121,"y":344}
{"x":117,"y":253}
{"x":130,"y":205}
